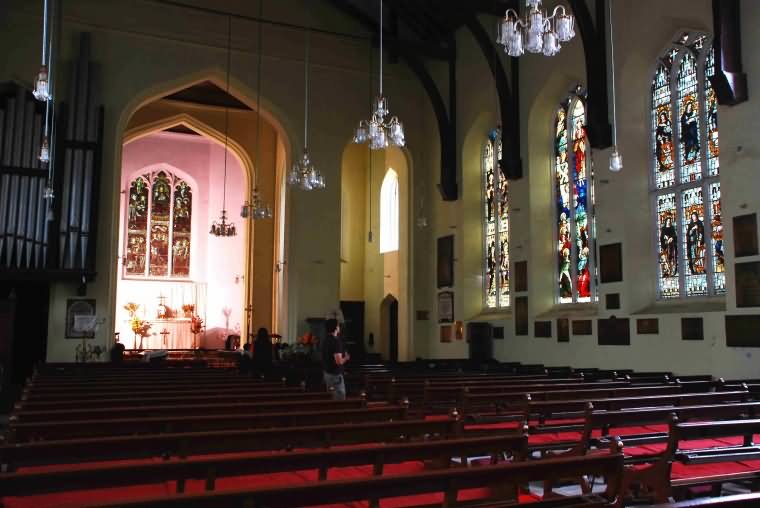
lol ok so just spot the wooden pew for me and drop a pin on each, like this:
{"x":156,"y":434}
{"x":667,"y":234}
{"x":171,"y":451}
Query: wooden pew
{"x":108,"y":411}
{"x":449,"y":482}
{"x":659,"y":477}
{"x":147,"y":394}
{"x":184,"y":444}
{"x":736,"y":501}
{"x":571,"y":416}
{"x":210,"y":469}
{"x":604,"y":422}
{"x":480,"y":402}
{"x":20,"y":431}
{"x":171,"y":399}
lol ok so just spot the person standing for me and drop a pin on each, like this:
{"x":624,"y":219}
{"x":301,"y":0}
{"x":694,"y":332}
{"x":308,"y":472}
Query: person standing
{"x":334,"y":357}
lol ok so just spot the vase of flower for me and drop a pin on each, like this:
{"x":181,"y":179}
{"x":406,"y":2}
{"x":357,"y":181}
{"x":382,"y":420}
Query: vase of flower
{"x":188,"y":309}
{"x":196,"y":327}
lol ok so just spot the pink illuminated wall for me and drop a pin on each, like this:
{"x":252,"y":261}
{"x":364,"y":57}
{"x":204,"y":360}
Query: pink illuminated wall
{"x":216,"y":264}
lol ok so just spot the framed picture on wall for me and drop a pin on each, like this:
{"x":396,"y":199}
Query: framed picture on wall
{"x":446,"y":307}
{"x":445,"y":265}
{"x":745,"y":235}
{"x":80,"y":318}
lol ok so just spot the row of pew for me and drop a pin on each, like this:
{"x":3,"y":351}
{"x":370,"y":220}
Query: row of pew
{"x":209,"y":437}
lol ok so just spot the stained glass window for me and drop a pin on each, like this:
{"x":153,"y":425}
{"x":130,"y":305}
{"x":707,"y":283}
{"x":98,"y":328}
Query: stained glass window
{"x":159,"y":220}
{"x":495,"y":225}
{"x":685,"y":181}
{"x":574,"y":213}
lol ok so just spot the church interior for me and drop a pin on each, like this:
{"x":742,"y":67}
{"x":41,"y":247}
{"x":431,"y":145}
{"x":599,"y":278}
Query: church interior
{"x":379,"y":253}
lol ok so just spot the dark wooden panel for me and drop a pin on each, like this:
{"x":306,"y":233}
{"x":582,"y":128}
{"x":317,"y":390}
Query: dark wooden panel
{"x":745,"y":235}
{"x":583,"y":327}
{"x":521,"y":276}
{"x":611,"y":262}
{"x":614,"y":332}
{"x":445,"y":261}
{"x":747,"y":282}
{"x":563,"y":330}
{"x":521,"y":315}
{"x":542,"y":329}
{"x":647,"y":326}
{"x":743,"y":330}
{"x":692,"y":329}
{"x":612,"y":301}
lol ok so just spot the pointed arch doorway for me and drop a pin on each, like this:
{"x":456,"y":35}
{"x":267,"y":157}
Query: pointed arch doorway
{"x":251,"y":286}
{"x":389,"y":325}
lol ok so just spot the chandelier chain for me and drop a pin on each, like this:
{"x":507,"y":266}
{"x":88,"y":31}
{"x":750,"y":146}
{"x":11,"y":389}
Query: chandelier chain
{"x":612,"y":66}
{"x":306,"y":91}
{"x":227,"y":110}
{"x":381,"y":47}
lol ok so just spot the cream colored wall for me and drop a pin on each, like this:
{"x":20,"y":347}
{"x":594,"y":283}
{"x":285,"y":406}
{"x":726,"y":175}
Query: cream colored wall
{"x":353,"y":222}
{"x":143,"y":50}
{"x":623,"y":210}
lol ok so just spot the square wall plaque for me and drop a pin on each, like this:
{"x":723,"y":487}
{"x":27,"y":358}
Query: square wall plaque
{"x":542,"y":329}
{"x":692,"y":329}
{"x":614,"y":332}
{"x":582,"y":327}
{"x":647,"y":326}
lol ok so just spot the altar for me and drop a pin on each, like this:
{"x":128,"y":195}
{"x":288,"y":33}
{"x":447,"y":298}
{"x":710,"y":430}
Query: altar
{"x":169,"y":334}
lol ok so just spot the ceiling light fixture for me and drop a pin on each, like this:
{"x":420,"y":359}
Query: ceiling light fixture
{"x":257,"y":208}
{"x":380,"y":133}
{"x":616,"y":160}
{"x":304,"y":174}
{"x":537,"y":33}
{"x":221,"y":227}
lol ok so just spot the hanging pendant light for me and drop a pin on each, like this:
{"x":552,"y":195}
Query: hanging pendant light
{"x":379,"y":132}
{"x":538,"y":32}
{"x":257,"y":208}
{"x":616,"y":160}
{"x":303,"y":173}
{"x":41,"y":81}
{"x":221,"y":227}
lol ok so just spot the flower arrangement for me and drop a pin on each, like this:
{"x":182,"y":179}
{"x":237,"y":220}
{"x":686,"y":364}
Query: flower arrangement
{"x":188,"y":309}
{"x":140,"y":326}
{"x":131,"y":308}
{"x":196,"y":324}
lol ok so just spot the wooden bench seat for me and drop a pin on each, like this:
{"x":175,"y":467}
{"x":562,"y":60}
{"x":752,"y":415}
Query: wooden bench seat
{"x":107,"y":411}
{"x":361,"y":461}
{"x":736,"y":501}
{"x":442,"y":487}
{"x":184,"y":444}
{"x":43,"y":397}
{"x":20,"y":431}
{"x":701,"y":453}
{"x":172,"y":398}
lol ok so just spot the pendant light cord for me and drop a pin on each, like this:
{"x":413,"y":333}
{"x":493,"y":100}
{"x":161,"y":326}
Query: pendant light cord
{"x":306,"y":90}
{"x":381,"y":48}
{"x":50,"y":103}
{"x":612,"y":65}
{"x":258,"y":99}
{"x":227,"y":112}
{"x":44,"y":31}
{"x":369,"y":150}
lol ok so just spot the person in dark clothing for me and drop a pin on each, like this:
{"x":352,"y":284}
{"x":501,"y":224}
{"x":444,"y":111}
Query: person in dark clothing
{"x":246,"y":360}
{"x":117,"y":352}
{"x":334,"y":356}
{"x":262,"y":351}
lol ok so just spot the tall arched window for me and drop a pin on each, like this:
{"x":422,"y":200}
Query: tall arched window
{"x":159,"y":218}
{"x":389,"y":212}
{"x":574,"y":193}
{"x":685,"y":171}
{"x":495,"y":226}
